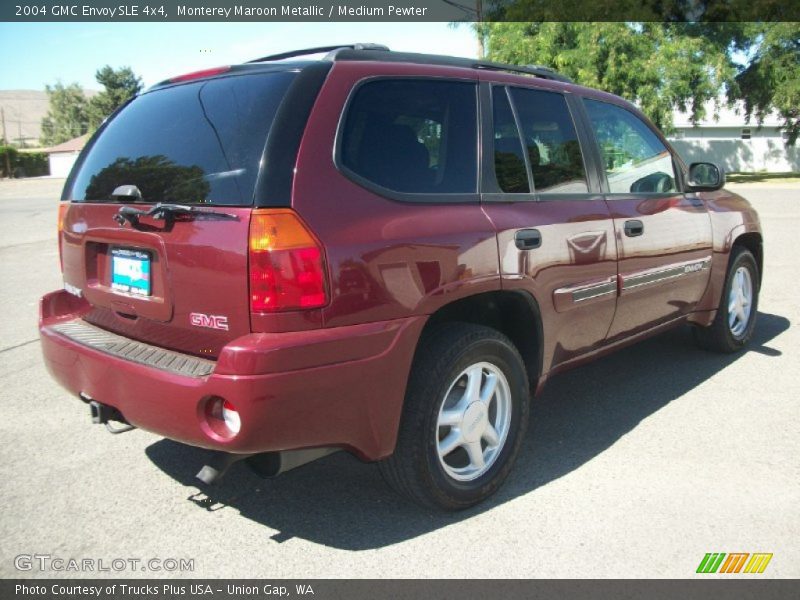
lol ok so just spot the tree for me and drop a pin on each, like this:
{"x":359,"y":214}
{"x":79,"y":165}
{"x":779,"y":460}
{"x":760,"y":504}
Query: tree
{"x":661,"y":66}
{"x":66,"y":118}
{"x":656,"y":66}
{"x":770,"y":80}
{"x":71,"y":114}
{"x":119,"y":85}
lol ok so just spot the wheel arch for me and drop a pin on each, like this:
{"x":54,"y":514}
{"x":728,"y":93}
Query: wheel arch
{"x":754,"y":242}
{"x":514,"y":313}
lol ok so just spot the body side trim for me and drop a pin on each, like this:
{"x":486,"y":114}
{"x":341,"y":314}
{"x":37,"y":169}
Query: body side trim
{"x":637,"y":280}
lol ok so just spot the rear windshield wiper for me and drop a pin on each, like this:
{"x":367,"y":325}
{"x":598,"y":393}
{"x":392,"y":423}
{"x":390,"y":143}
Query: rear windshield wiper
{"x":168,"y":212}
{"x":165,"y":210}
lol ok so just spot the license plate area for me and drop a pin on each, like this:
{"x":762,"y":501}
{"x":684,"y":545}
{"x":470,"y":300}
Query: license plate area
{"x":131,"y":271}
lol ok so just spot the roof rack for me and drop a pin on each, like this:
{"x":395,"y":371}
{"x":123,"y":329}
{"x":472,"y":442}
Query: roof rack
{"x":319,"y":50}
{"x":382,"y":53}
{"x":536,"y":70}
{"x":350,"y":53}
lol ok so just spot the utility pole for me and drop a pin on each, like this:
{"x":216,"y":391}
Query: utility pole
{"x":480,"y":29}
{"x":5,"y":142}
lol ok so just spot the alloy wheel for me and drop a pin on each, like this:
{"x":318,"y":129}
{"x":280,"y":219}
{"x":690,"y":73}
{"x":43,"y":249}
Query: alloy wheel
{"x":740,"y":302}
{"x":474,"y":420}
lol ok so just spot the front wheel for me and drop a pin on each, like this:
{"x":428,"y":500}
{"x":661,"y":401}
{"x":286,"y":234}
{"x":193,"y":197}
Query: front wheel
{"x":465,"y":415}
{"x":735,"y":322}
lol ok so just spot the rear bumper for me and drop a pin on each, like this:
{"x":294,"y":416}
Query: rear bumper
{"x":340,"y":387}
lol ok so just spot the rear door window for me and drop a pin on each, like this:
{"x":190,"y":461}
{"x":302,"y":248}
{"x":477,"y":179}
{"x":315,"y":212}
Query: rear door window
{"x":196,"y":143}
{"x":551,"y":141}
{"x":412,"y":136}
{"x":509,"y":160}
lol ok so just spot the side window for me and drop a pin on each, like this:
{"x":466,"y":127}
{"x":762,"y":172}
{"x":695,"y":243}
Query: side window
{"x":551,"y":141}
{"x":509,"y":161}
{"x":413,"y":136}
{"x":635,"y":160}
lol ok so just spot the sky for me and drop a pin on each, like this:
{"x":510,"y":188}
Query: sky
{"x":43,"y":53}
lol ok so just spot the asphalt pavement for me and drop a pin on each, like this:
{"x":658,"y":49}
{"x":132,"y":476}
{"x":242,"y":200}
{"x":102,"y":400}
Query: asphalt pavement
{"x":636,"y":465}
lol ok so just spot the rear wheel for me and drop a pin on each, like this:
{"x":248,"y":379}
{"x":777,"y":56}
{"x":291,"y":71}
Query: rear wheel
{"x":465,"y":415}
{"x":733,"y":326}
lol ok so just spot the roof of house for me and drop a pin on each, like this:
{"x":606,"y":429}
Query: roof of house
{"x":73,"y":145}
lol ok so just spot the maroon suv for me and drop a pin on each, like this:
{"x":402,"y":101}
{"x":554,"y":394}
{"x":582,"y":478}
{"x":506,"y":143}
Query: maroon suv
{"x":381,"y":252}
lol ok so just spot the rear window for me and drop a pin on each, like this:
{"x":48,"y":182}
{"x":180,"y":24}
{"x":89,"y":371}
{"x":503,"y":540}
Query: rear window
{"x":413,"y":136}
{"x":189,"y":144}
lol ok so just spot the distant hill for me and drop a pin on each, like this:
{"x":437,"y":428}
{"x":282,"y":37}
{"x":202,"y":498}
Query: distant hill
{"x":24,"y":111}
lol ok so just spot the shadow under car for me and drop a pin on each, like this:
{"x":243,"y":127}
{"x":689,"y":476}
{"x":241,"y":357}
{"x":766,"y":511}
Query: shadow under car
{"x":342,"y":502}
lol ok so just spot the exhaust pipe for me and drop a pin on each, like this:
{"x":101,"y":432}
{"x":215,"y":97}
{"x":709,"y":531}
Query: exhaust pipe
{"x":265,"y":464}
{"x":272,"y":464}
{"x":218,"y":465}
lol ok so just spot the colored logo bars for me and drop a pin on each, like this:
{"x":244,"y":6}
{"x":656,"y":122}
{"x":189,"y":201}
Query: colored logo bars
{"x":716,"y":562}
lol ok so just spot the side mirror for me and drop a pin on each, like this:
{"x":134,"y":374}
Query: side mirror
{"x":654,"y":183}
{"x":705,"y":177}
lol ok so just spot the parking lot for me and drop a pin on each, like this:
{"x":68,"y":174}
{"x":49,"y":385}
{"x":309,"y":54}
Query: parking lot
{"x":634,"y":466}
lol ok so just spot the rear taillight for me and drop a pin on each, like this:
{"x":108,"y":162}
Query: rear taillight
{"x":63,"y":207}
{"x":287,"y":268}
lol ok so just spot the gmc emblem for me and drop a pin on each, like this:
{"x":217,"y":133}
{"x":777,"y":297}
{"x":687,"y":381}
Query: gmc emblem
{"x":210,"y":321}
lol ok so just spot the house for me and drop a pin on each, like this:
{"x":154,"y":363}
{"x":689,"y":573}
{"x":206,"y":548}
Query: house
{"x":733,"y":143}
{"x":64,"y":155}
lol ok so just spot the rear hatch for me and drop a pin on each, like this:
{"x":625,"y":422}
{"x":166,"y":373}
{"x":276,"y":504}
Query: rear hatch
{"x":177,"y":278}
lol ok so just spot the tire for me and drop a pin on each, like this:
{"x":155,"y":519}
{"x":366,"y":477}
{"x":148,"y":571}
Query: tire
{"x":735,"y":322}
{"x":442,"y":410}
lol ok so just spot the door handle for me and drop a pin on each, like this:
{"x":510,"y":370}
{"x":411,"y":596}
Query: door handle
{"x":634,"y":228}
{"x":528,"y":239}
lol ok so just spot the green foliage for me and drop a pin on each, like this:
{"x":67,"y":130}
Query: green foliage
{"x":771,"y":79}
{"x":660,"y":66}
{"x":23,"y":164}
{"x":656,"y":66}
{"x":67,"y":116}
{"x":119,"y":85}
{"x":71,"y":114}
{"x":32,"y":164}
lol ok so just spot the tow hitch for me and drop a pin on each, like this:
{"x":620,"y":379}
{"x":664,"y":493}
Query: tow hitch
{"x":103,"y":414}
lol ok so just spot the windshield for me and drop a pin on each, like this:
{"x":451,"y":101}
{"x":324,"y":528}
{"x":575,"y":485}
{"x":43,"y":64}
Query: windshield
{"x":189,"y":144}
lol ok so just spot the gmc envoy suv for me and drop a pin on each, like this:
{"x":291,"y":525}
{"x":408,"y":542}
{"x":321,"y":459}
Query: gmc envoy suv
{"x":379,"y":252}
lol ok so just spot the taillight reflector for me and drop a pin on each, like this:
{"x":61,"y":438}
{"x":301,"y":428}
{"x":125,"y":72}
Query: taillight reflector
{"x":222,"y":418}
{"x":231,"y":417}
{"x":63,"y":207}
{"x":287,"y":268}
{"x":62,"y":212}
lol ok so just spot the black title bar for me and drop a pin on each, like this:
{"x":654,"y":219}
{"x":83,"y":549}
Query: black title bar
{"x":365,"y":589}
{"x":399,"y":10}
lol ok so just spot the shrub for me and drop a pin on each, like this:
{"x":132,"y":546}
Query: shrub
{"x":23,"y":164}
{"x":31,"y":164}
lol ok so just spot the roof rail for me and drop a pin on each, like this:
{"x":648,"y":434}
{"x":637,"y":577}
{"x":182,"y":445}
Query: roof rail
{"x":536,"y":70}
{"x":350,"y":53}
{"x":381,"y":52}
{"x":319,"y":50}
